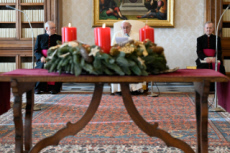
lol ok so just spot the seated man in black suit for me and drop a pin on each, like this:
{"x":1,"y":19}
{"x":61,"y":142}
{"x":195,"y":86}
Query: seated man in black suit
{"x":206,"y":50}
{"x":43,"y":43}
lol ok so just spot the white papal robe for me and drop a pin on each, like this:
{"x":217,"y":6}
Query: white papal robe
{"x":133,"y":87}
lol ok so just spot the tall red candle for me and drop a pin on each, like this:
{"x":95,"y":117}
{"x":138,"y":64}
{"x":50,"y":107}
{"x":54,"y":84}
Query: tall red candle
{"x":102,"y":38}
{"x":69,"y":33}
{"x":146,"y":33}
{"x":96,"y":36}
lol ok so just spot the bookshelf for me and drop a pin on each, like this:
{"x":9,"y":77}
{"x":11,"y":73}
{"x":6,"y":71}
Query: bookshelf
{"x":15,"y":32}
{"x":214,"y":9}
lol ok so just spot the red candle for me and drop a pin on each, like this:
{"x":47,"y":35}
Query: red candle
{"x":102,"y":38}
{"x":96,"y":36}
{"x":146,"y":33}
{"x":69,"y":33}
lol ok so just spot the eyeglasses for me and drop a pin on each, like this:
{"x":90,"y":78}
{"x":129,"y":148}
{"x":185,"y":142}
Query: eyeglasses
{"x":126,"y":27}
{"x":52,"y":27}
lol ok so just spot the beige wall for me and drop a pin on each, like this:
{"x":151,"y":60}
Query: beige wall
{"x":179,"y":42}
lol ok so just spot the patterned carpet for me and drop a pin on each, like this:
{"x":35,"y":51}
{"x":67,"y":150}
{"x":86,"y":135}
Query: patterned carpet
{"x":112,"y":131}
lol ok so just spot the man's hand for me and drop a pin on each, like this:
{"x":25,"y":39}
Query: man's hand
{"x":213,"y":60}
{"x":43,"y":59}
{"x":160,"y":3}
{"x":210,"y":59}
{"x":111,"y":10}
{"x":151,"y":3}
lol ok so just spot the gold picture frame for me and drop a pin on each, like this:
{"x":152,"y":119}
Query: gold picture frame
{"x":153,"y":22}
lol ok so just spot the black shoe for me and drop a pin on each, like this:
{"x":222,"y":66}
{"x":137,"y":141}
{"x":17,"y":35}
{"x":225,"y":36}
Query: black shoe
{"x":212,"y":90}
{"x":118,"y":93}
{"x":136,"y":93}
{"x":37,"y":91}
{"x":53,"y":92}
{"x":123,"y":17}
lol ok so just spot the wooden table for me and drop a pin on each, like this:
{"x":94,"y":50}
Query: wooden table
{"x":24,"y":80}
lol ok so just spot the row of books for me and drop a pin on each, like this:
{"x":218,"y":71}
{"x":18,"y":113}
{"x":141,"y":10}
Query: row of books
{"x":226,"y":16}
{"x":225,"y":32}
{"x":7,"y":32}
{"x":33,"y":15}
{"x":226,"y":0}
{"x":227,"y":65}
{"x":27,"y":65}
{"x":6,"y":67}
{"x":32,"y":1}
{"x":26,"y":32}
{"x":7,"y":16}
{"x":22,"y":1}
{"x":7,"y":1}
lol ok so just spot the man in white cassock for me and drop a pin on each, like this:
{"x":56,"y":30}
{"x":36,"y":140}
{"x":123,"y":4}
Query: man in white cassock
{"x":126,"y":31}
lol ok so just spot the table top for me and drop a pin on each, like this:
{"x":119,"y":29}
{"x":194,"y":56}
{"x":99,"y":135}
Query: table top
{"x":181,"y":75}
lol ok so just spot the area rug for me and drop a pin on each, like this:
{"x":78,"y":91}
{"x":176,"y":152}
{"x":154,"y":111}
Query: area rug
{"x":112,"y":130}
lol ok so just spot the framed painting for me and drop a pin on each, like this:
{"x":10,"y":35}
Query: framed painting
{"x":155,"y":13}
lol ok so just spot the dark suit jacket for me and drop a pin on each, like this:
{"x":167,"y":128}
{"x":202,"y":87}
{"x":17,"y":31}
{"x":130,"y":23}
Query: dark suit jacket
{"x":44,"y":41}
{"x":204,"y":43}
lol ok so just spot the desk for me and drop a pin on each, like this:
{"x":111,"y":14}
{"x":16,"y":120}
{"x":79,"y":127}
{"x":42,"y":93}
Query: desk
{"x":23,"y":81}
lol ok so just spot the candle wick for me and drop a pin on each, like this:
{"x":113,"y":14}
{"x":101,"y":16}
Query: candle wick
{"x":103,"y":26}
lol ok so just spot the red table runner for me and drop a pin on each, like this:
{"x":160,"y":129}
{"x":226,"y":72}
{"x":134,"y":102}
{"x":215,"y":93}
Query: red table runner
{"x":223,"y":94}
{"x":5,"y":97}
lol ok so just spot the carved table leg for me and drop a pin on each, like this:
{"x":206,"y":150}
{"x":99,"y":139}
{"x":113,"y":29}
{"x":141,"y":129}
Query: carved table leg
{"x":17,"y":106}
{"x":18,"y":89}
{"x":198,"y":119}
{"x":72,"y":129}
{"x":202,"y":91}
{"x":149,"y":129}
{"x":28,"y":119}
